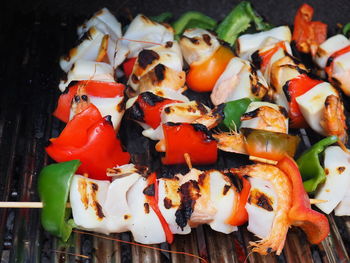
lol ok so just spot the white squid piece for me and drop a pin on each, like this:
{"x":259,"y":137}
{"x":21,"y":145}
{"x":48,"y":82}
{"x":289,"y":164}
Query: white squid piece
{"x":116,"y":205}
{"x":312,"y":104}
{"x":169,"y":201}
{"x":158,"y":66}
{"x":223,"y":197}
{"x":88,"y":70}
{"x":104,"y":21}
{"x":142,"y":33}
{"x":87,"y":198}
{"x":239,"y":80}
{"x":261,"y":214}
{"x":337,"y":169}
{"x":249,"y":43}
{"x":185,"y":112}
{"x":343,"y":208}
{"x":198,"y":45}
{"x":88,"y":49}
{"x":144,"y":223}
{"x":113,"y":107}
{"x":327,"y":48}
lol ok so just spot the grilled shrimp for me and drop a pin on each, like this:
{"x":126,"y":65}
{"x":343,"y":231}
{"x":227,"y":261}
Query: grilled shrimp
{"x":211,"y":119}
{"x":282,"y":186}
{"x":231,"y":142}
{"x":80,"y":101}
{"x":270,"y":119}
{"x":333,"y":120}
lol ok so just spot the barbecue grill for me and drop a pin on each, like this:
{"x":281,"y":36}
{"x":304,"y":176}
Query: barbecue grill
{"x":33,"y":36}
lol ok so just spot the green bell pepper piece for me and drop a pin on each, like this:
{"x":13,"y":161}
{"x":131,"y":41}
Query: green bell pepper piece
{"x":193,"y":19}
{"x":233,"y":111}
{"x":309,"y":164}
{"x":346,"y":30}
{"x":238,"y":21}
{"x":54,"y":183}
{"x":163,"y":17}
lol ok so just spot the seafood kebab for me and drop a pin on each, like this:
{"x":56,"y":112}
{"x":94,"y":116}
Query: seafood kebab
{"x":255,"y":98}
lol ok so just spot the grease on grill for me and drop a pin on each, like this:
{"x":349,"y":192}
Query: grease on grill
{"x":146,"y":57}
{"x":260,"y":199}
{"x":189,"y":193}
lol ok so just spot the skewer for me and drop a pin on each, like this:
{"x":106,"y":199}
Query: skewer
{"x":188,"y":160}
{"x":24,"y":205}
{"x":317,"y":201}
{"x":262,"y":160}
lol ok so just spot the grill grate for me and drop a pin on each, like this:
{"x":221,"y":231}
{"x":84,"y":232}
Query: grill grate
{"x":30,"y":76}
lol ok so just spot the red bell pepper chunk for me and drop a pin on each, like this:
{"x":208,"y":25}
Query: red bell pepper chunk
{"x":314,"y":224}
{"x":93,"y":88}
{"x":91,"y":139}
{"x":152,"y":106}
{"x":297,"y":87}
{"x":194,"y":139}
{"x":152,"y":200}
{"x":329,"y":66}
{"x":308,"y":34}
{"x":64,"y":103}
{"x":267,"y":55}
{"x":239,"y":213}
{"x":128,"y":66}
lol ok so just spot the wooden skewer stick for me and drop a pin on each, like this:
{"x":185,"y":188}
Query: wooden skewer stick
{"x":188,"y":160}
{"x":24,"y":205}
{"x":317,"y":201}
{"x":262,"y":160}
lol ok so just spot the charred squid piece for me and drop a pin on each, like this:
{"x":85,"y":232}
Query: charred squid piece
{"x":269,"y":200}
{"x":142,"y":33}
{"x":161,"y":78}
{"x":321,"y":113}
{"x":160,"y":63}
{"x":118,"y":213}
{"x":207,"y":197}
{"x":145,"y":225}
{"x":333,"y":56}
{"x":104,"y":21}
{"x":88,"y":70}
{"x":89,"y":49}
{"x":249,"y":43}
{"x":87,"y":198}
{"x":334,"y":192}
{"x":239,"y":80}
{"x":198,"y":45}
